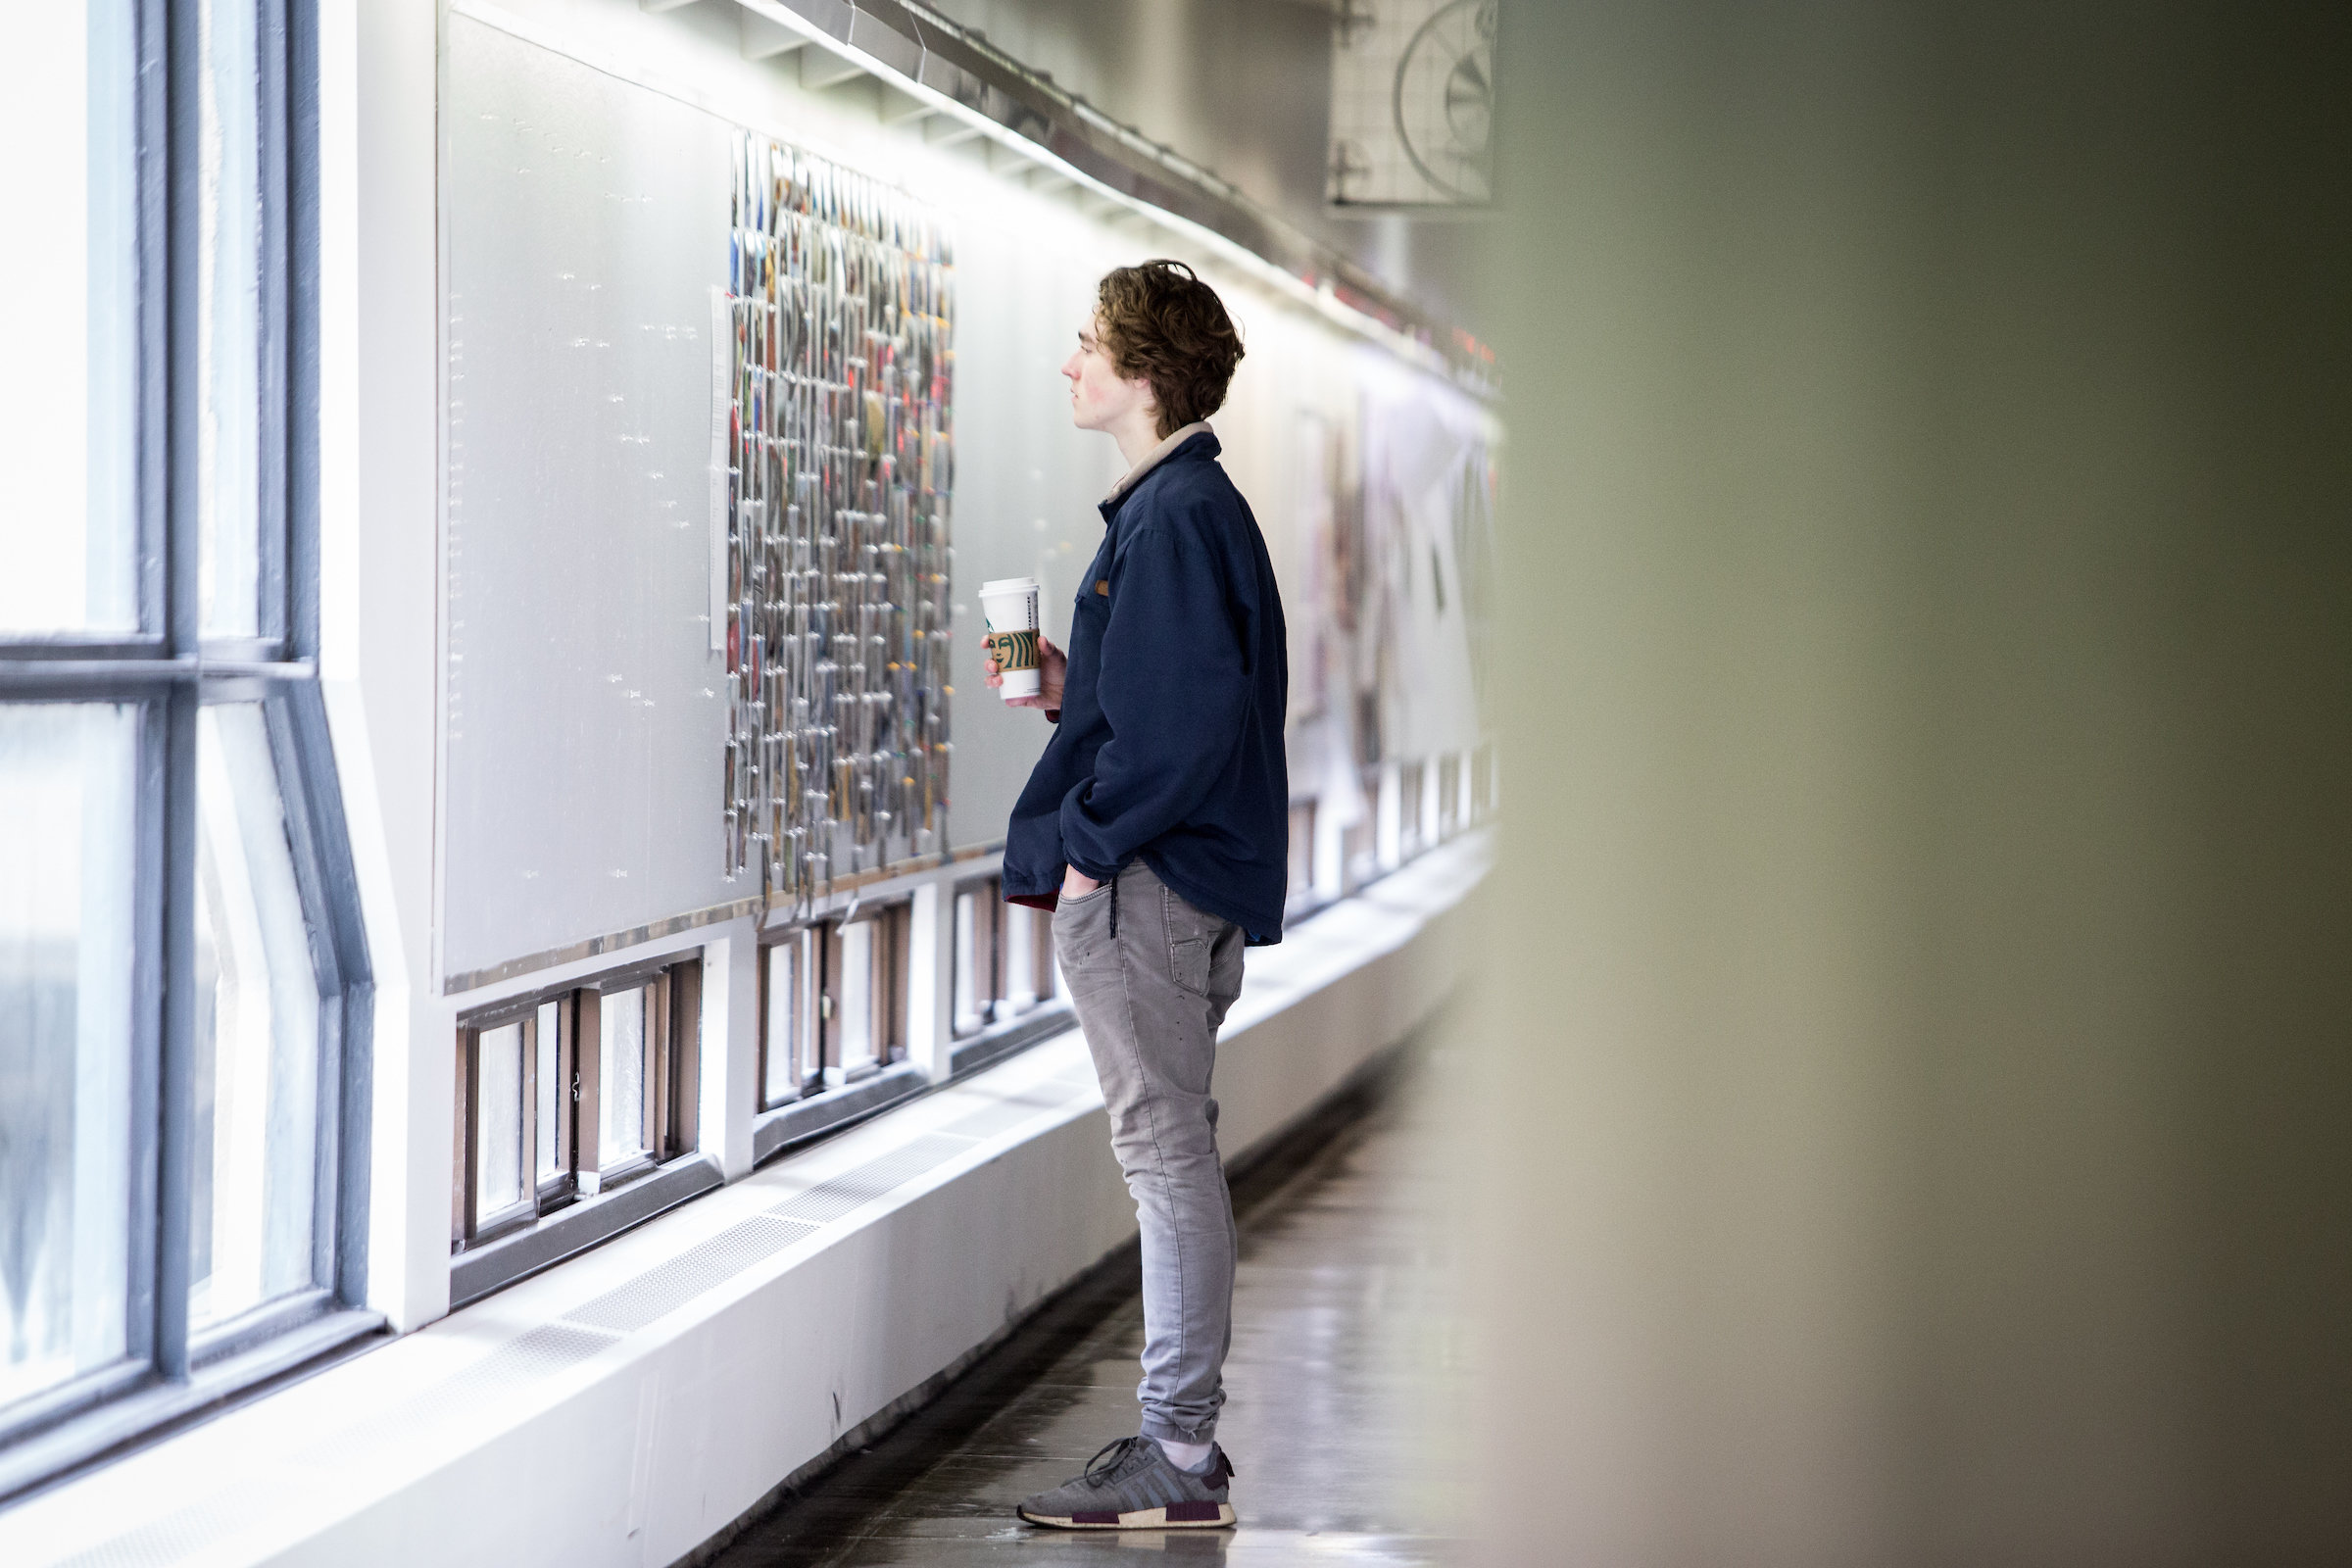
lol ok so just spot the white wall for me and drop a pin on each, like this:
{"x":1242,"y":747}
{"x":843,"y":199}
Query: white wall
{"x":1024,"y":503}
{"x":380,"y":577}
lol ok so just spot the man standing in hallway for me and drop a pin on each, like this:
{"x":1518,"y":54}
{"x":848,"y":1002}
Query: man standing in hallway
{"x":1156,"y":823}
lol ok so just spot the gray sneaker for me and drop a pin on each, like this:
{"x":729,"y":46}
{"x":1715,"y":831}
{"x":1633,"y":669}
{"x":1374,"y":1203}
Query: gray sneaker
{"x":1133,"y":1485}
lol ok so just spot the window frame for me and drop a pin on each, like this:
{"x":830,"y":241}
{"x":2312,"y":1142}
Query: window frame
{"x":1411,"y":780}
{"x":888,"y":973}
{"x":829,"y":1099}
{"x":993,"y":1004}
{"x":987,"y":894}
{"x":809,"y":938}
{"x":824,"y":1004}
{"x":672,"y":1047}
{"x":467,"y":1228}
{"x":166,"y":671}
{"x":1299,"y":895}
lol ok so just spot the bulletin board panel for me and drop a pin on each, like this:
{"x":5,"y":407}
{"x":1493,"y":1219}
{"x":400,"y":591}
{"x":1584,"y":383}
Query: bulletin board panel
{"x":587,"y":224}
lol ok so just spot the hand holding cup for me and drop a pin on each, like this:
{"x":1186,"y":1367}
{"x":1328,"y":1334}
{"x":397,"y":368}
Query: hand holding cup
{"x":1017,"y":649}
{"x":1053,"y":664}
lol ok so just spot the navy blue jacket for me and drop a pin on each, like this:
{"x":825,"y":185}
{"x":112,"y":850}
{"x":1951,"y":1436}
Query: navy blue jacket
{"x":1170,"y":740}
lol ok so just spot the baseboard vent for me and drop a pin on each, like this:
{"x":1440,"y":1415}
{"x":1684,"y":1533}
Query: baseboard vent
{"x":854,"y":1189}
{"x":663,"y":1290}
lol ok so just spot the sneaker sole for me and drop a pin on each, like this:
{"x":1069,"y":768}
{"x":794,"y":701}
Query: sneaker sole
{"x":1179,"y":1516}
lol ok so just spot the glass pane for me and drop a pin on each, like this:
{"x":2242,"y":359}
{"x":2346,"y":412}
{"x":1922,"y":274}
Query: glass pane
{"x":498,"y":1121}
{"x":228,"y":275}
{"x":552,"y":1097}
{"x":969,"y":999}
{"x":856,"y":995}
{"x":68,"y":314}
{"x":785,"y":1012}
{"x":1048,"y":976}
{"x":812,"y":1001}
{"x":66,"y":852}
{"x":621,"y":1078}
{"x":1020,"y":959}
{"x":257,"y":1033}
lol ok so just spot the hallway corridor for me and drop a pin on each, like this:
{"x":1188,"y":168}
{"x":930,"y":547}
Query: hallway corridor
{"x":1345,"y":1378}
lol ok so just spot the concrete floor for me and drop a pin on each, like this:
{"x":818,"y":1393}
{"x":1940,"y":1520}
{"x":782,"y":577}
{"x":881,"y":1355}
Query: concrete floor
{"x":1344,"y":1390}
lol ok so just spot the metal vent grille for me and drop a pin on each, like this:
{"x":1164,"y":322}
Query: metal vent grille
{"x":853,"y":1188}
{"x":1011,"y":1111}
{"x":179,"y":1535}
{"x":539,"y":1354}
{"x":663,"y":1290}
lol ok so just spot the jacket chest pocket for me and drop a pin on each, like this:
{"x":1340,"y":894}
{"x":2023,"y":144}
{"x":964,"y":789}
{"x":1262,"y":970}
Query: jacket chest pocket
{"x":1091,"y":604}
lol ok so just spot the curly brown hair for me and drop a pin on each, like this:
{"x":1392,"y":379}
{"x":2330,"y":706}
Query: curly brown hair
{"x":1159,"y":323}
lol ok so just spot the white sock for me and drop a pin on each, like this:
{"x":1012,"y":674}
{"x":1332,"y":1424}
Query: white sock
{"x":1192,"y":1457}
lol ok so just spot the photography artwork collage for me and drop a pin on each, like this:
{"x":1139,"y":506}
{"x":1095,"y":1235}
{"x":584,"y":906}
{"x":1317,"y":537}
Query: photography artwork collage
{"x":839,"y":472}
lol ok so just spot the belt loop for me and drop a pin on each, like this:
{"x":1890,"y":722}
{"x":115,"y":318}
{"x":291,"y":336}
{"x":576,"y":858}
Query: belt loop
{"x":1114,"y":905}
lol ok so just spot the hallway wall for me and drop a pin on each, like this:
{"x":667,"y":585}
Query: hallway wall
{"x":498,"y":856}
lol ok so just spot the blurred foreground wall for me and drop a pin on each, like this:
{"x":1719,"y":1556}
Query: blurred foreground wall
{"x":1922,"y":1018}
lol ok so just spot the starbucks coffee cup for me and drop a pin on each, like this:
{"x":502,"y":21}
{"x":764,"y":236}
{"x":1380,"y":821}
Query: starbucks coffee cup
{"x":1010,"y":605}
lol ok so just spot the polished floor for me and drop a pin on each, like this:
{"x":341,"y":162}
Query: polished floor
{"x":1344,"y":1389}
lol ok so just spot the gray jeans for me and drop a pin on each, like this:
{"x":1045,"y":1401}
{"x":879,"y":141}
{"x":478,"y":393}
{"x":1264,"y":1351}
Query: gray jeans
{"x":1150,"y":999}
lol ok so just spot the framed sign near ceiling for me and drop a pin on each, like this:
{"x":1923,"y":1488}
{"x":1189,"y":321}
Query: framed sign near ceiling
{"x":1412,"y":97}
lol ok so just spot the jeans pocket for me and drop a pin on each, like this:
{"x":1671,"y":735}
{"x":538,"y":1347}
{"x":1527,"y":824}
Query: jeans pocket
{"x":1187,"y":963}
{"x":1192,"y":941}
{"x":1081,"y":928}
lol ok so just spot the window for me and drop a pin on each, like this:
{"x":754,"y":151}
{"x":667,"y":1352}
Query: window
{"x":563,"y":1097}
{"x":1409,"y":821}
{"x":66,"y":1029}
{"x":792,"y":1057}
{"x":1003,"y":961}
{"x":833,"y":1003}
{"x":183,"y":973}
{"x":252,"y":1206}
{"x":71,"y":428}
{"x":866,"y":994}
{"x":1359,"y":841}
{"x":1300,"y":890}
{"x":514,"y":1102}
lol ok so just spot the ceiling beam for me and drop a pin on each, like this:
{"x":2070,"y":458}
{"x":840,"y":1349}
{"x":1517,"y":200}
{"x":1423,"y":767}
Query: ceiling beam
{"x":1006,"y":158}
{"x":821,"y":69}
{"x":947,"y":130}
{"x":763,"y":39}
{"x":899,"y":108}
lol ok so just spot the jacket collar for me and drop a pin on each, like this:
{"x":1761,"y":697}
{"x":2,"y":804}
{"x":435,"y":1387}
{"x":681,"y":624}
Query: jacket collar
{"x":1175,"y":442}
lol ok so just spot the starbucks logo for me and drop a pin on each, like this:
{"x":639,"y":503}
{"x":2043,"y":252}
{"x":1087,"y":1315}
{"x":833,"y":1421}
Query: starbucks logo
{"x":1014,"y":650}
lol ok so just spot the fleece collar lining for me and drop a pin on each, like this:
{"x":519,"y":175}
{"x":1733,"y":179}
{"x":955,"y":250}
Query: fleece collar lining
{"x":1153,"y":458}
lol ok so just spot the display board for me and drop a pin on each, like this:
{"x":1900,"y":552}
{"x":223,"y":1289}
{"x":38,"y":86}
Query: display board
{"x":586,"y":713}
{"x":840,"y":453}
